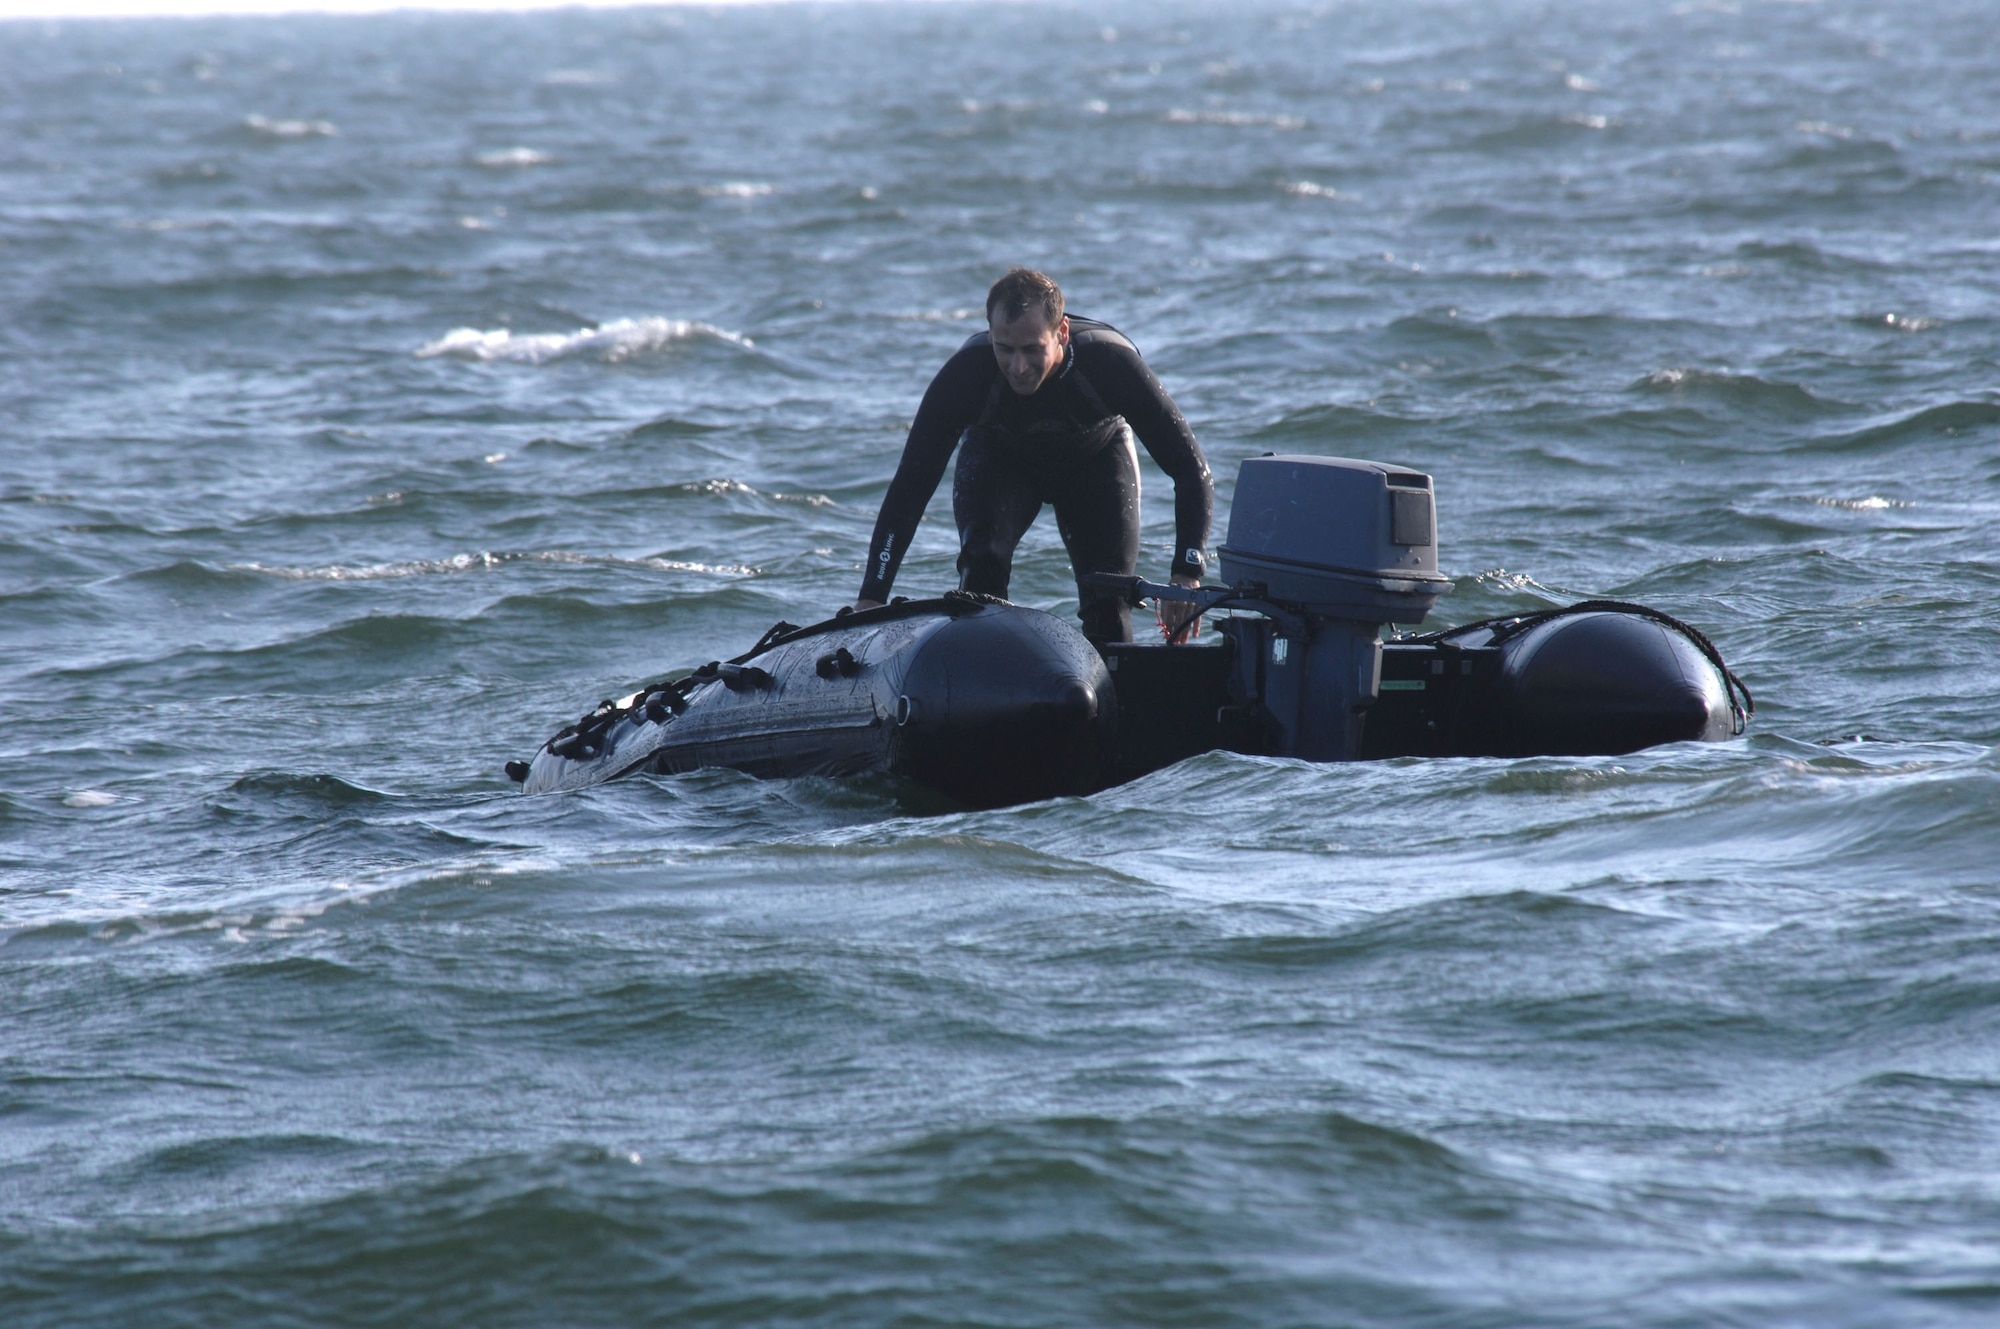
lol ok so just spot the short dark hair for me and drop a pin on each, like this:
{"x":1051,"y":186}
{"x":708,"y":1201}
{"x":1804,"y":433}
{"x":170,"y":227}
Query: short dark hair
{"x":1021,"y":290}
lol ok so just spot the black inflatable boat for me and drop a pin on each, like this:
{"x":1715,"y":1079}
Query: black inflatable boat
{"x":991,"y":703}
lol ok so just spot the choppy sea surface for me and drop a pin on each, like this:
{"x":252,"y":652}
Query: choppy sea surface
{"x":378,"y":393}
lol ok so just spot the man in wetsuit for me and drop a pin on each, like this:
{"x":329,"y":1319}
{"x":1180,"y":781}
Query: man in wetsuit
{"x":1043,"y":407}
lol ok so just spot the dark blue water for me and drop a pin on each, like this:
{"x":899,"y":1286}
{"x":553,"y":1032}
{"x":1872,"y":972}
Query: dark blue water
{"x":378,"y":393}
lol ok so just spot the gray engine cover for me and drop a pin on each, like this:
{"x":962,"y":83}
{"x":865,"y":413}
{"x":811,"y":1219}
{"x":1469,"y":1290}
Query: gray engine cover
{"x":1346,"y":539}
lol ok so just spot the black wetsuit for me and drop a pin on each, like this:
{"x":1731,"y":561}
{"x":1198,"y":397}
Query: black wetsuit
{"x":1069,"y":445}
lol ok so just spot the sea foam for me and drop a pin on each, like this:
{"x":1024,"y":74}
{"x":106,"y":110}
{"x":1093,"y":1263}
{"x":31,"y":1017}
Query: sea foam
{"x":610,"y":342}
{"x":263,"y":124}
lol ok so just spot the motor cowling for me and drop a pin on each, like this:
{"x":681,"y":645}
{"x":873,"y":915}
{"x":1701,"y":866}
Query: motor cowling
{"x":1349,"y":546}
{"x":1343,"y":539}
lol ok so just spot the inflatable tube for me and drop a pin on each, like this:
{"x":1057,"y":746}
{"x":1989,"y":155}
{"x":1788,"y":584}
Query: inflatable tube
{"x":1601,"y":678}
{"x":986,"y":702}
{"x":1609,"y":683}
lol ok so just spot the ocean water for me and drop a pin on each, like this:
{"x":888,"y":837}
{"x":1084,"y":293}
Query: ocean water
{"x":378,"y":393}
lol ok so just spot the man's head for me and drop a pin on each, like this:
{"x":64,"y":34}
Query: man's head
{"x":1024,"y":312}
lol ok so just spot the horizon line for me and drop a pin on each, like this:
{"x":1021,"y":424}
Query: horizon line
{"x":46,"y":11}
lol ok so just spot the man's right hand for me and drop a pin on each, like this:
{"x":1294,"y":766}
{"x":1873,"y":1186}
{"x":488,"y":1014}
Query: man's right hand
{"x":1174,"y":613}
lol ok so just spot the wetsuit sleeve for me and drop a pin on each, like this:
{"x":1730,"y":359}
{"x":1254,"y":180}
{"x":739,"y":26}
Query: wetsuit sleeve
{"x":1128,"y":387}
{"x":950,"y":405}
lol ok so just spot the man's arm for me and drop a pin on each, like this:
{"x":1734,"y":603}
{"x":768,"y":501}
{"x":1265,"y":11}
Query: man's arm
{"x":1128,"y":387}
{"x":951,"y":403}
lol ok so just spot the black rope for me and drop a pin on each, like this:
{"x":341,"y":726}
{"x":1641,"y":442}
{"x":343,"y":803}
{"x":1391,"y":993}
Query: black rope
{"x":1509,"y":626}
{"x":585,"y":739}
{"x":765,"y":642}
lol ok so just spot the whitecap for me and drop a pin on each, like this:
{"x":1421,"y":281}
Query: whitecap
{"x":611,"y":342}
{"x":511,"y":158}
{"x":711,"y":569}
{"x":573,"y":558}
{"x":164,"y":225}
{"x":485,"y":561}
{"x":1873,"y":503}
{"x":1499,"y":579}
{"x":291,"y":128}
{"x":737,"y":189}
{"x":89,"y":798}
{"x":1234,"y":119}
{"x":377,"y":571}
{"x":1307,"y":189}
{"x":578,"y":78}
{"x":1687,"y":376}
{"x":718,"y":485}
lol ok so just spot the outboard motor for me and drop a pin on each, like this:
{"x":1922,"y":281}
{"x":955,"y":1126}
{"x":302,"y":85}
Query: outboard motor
{"x":1339,"y":548}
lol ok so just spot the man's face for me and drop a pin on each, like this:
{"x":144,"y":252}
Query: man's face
{"x":1028,"y":349}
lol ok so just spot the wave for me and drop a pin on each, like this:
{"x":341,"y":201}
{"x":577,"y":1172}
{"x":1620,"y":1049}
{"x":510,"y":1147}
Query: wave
{"x":502,"y":159}
{"x":219,"y":1156}
{"x":340,"y":657}
{"x":483,"y":560}
{"x":669,"y":426}
{"x":1358,"y":427}
{"x":1436,"y":928}
{"x":1827,"y":145}
{"x":194,"y":173}
{"x":171,"y":297}
{"x":578,"y":78}
{"x":1742,"y":392}
{"x":1544,"y":131}
{"x":317,"y":793}
{"x":610,"y":343}
{"x":377,"y":571}
{"x":1807,"y":256}
{"x":265,"y":126}
{"x":1531,"y":340}
{"x":1235,"y":119}
{"x":1950,"y":419}
{"x":1896,"y":322}
{"x":401,"y":860}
